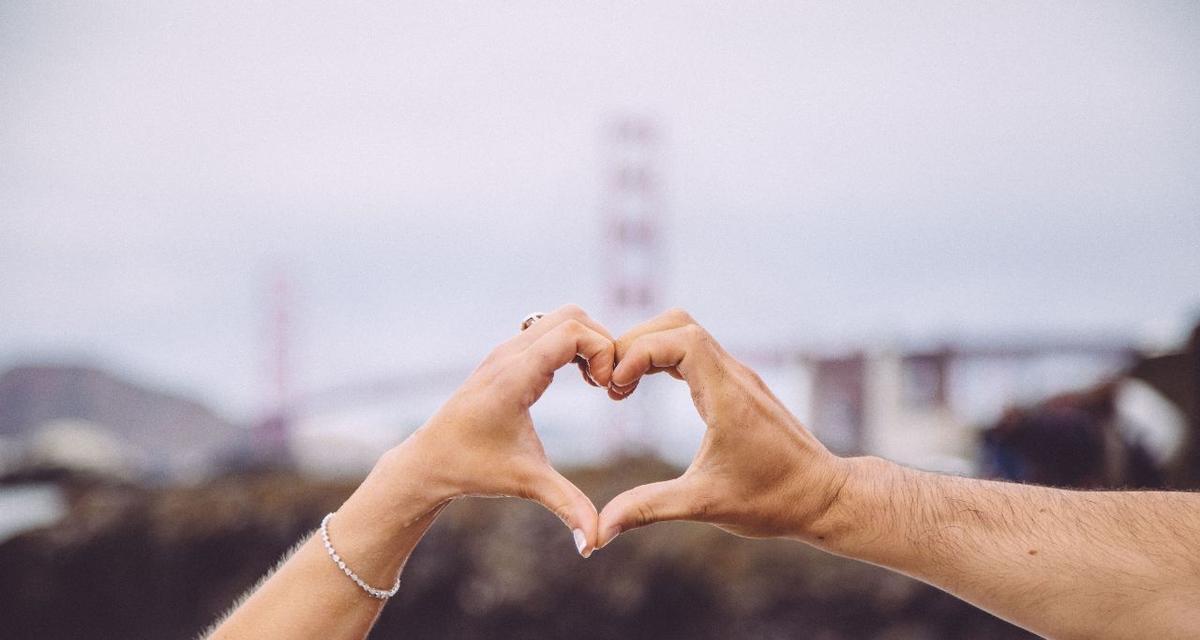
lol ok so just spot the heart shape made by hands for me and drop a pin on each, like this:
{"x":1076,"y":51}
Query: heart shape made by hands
{"x":758,"y":472}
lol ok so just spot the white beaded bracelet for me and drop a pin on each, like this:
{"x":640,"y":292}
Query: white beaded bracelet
{"x":382,"y":594}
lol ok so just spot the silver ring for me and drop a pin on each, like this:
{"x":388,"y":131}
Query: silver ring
{"x":530,"y":319}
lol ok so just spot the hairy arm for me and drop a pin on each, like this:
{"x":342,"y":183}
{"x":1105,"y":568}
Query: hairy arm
{"x":1065,"y":564}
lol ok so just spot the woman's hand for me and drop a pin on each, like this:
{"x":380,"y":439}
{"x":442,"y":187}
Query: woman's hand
{"x":758,"y":472}
{"x":482,"y":441}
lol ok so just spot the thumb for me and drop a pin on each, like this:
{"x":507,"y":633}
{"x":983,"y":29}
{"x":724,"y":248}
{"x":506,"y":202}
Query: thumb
{"x":551,"y":490}
{"x":647,"y":504}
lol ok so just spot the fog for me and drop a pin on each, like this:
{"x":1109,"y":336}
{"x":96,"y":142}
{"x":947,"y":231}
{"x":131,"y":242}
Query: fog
{"x":425,"y":175}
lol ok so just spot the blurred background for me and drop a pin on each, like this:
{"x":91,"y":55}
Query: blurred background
{"x":246,"y":247}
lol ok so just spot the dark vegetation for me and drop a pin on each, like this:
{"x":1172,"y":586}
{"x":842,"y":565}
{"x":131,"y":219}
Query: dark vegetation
{"x":131,"y":562}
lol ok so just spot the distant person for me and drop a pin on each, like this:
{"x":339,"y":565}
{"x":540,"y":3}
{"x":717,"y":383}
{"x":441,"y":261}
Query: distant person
{"x":1064,"y":564}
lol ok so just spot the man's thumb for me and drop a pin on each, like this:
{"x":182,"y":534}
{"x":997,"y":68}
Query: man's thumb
{"x":647,"y":504}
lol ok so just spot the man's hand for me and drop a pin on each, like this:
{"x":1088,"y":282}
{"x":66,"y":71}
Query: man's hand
{"x":482,"y":441}
{"x":758,"y":472}
{"x":1064,"y":564}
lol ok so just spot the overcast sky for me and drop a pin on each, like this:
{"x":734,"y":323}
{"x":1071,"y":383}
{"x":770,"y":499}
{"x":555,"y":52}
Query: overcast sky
{"x":426,"y":175}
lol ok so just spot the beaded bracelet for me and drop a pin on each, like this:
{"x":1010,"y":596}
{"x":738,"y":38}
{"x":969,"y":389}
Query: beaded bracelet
{"x":381,"y":594}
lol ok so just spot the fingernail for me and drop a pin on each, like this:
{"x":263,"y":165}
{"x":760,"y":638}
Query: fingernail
{"x":607,"y":536}
{"x":581,"y":542}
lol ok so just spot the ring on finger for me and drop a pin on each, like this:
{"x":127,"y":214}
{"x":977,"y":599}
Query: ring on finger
{"x":530,"y":319}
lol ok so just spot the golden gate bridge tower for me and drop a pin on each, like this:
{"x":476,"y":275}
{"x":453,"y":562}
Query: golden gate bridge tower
{"x":632,"y":212}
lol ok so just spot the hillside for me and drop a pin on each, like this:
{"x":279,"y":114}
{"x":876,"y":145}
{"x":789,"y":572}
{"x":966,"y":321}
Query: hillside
{"x":159,"y":432}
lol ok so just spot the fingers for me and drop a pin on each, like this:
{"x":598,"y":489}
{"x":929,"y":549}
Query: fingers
{"x":669,"y":319}
{"x":686,"y":350}
{"x":568,"y":339}
{"x":550,"y":321}
{"x":653,"y":353}
{"x":551,"y":490}
{"x":557,"y":317}
{"x":675,"y":499}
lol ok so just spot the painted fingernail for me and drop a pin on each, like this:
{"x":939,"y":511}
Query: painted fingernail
{"x":581,"y":542}
{"x":607,"y":536}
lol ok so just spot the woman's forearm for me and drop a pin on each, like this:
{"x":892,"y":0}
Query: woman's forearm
{"x":1066,"y":564}
{"x":374,"y":532}
{"x":481,"y":442}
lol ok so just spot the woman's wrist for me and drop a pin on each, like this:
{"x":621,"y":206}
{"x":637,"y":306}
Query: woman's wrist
{"x":410,"y":477}
{"x":402,"y":488}
{"x":376,"y":528}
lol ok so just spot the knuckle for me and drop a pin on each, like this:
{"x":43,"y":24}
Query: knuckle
{"x":679,"y":315}
{"x":623,"y":346}
{"x":639,"y":345}
{"x":573,"y":327}
{"x":643,"y":514}
{"x":695,"y":334}
{"x":572,"y":310}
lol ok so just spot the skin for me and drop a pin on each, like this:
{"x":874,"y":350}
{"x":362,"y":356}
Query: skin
{"x":480,"y":443}
{"x":1064,"y":564}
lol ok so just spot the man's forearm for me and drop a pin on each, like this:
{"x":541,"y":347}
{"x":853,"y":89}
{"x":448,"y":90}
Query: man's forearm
{"x":1060,"y":563}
